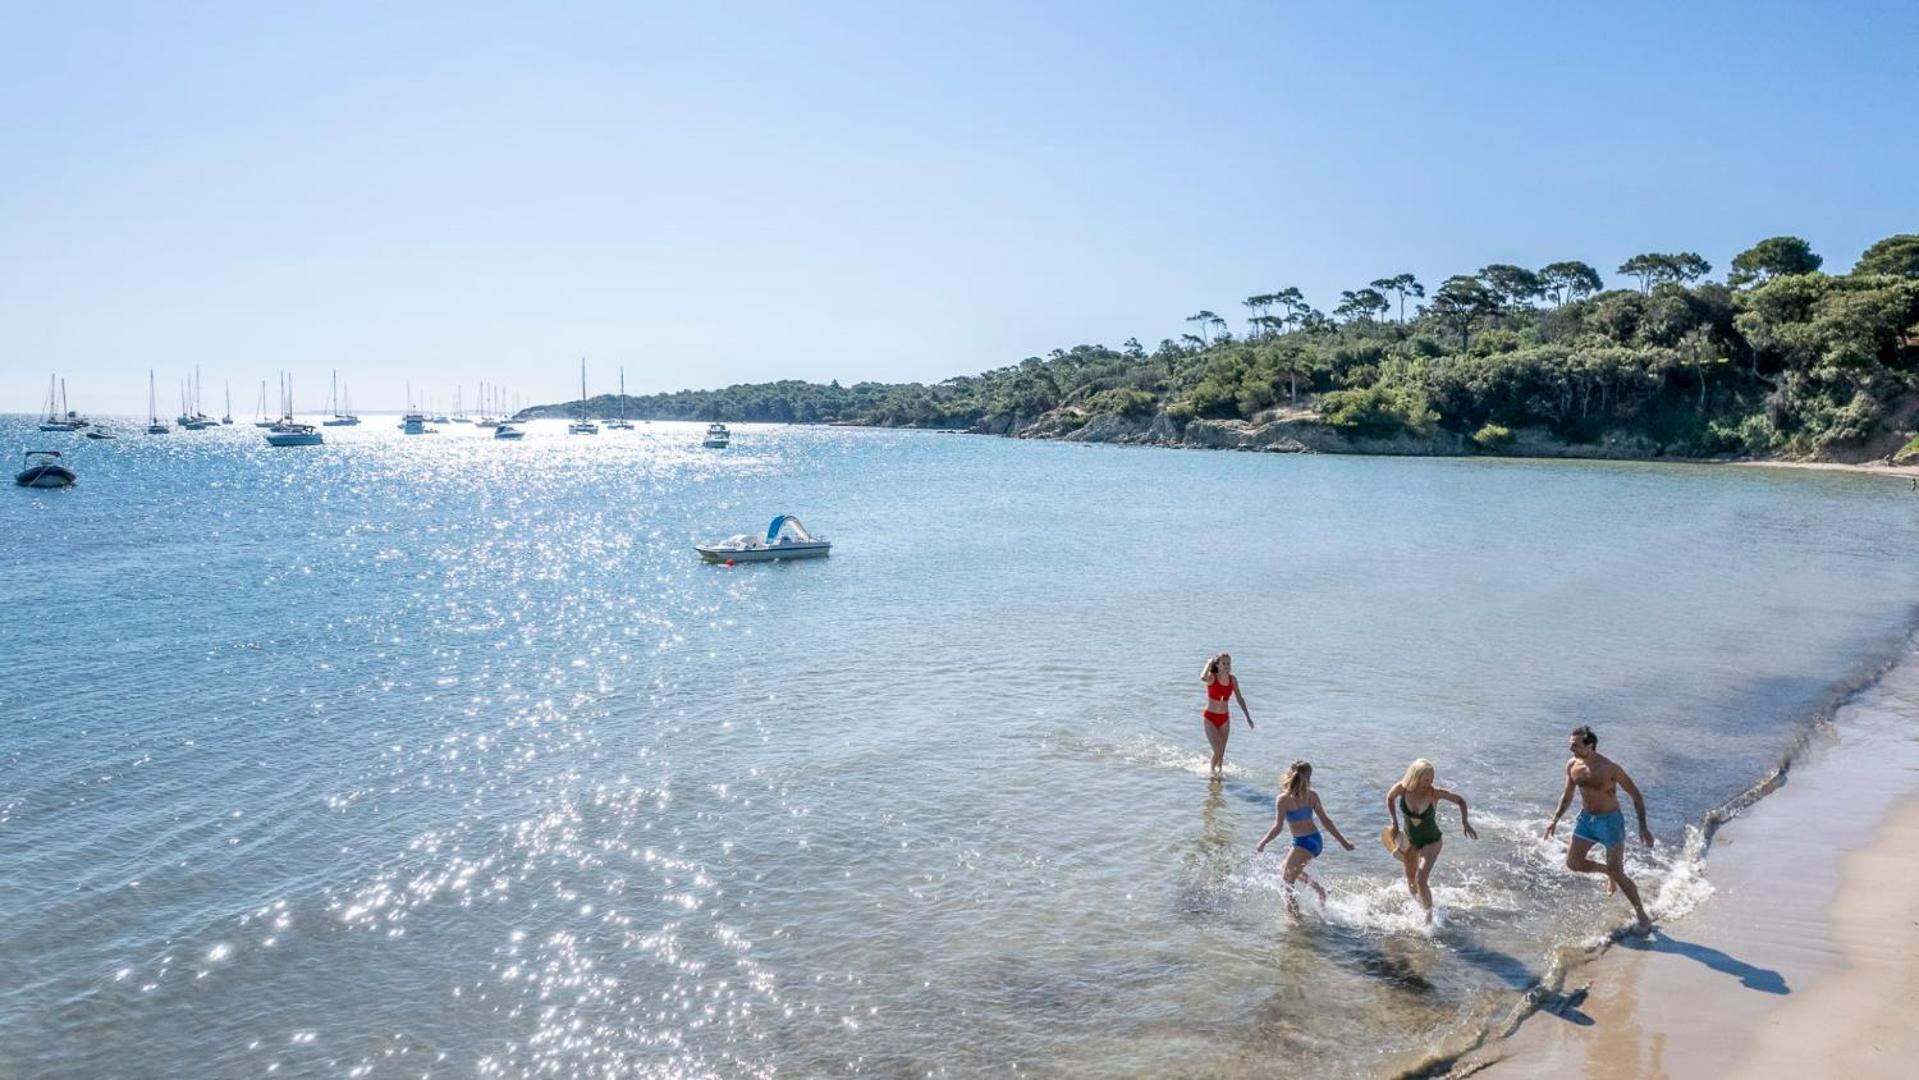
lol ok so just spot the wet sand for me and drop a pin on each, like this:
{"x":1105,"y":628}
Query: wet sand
{"x":1861,"y":1022}
{"x":1870,"y":468}
{"x":1805,"y":961}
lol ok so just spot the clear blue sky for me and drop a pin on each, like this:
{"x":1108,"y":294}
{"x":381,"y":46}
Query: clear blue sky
{"x":710,"y":193}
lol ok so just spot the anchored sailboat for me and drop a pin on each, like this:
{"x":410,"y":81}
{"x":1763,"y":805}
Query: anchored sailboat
{"x":154,"y":424}
{"x":619,"y":421}
{"x":59,"y":417}
{"x":342,"y":415}
{"x":287,"y":431}
{"x":582,"y":426}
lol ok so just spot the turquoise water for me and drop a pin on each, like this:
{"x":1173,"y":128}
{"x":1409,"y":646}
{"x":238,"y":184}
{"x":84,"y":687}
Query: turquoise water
{"x":442,"y":756}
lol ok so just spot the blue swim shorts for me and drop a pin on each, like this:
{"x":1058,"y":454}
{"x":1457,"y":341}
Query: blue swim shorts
{"x":1312,"y":842}
{"x":1606,"y":830}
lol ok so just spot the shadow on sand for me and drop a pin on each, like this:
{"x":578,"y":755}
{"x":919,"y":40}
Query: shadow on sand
{"x":1518,"y":975}
{"x":1764,"y":980}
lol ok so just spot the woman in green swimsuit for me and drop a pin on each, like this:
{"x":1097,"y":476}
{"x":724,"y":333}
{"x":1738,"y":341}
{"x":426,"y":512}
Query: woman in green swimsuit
{"x":1420,"y":842}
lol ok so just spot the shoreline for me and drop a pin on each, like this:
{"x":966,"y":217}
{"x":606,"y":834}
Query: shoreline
{"x":1803,"y":956}
{"x":1294,"y":433}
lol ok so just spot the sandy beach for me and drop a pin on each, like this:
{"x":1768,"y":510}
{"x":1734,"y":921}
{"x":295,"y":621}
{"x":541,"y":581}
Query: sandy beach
{"x":1804,"y":961}
{"x":1869,"y":468}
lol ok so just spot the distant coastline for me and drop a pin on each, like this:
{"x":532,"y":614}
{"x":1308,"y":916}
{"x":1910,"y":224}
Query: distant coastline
{"x":1782,"y":361}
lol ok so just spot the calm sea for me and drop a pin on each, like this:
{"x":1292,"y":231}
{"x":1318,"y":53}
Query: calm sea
{"x":444,"y":757}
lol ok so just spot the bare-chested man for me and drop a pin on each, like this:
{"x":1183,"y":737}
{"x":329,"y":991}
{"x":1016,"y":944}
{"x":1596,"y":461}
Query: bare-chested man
{"x":1598,"y":779}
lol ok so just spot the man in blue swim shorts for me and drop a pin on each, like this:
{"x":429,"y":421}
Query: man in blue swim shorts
{"x":1598,"y":779}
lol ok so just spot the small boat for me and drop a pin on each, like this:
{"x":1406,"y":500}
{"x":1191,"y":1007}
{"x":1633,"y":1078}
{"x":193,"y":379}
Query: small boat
{"x":97,"y":432}
{"x":290,"y":432}
{"x":342,"y":411}
{"x":59,"y":417}
{"x":260,"y":413}
{"x":486,"y":418}
{"x":226,"y":418}
{"x":196,"y":419}
{"x":414,"y":423}
{"x":785,"y":538}
{"x":619,"y":421}
{"x":44,"y":470}
{"x":155,"y":426}
{"x":506,"y":429}
{"x":717,"y":437}
{"x":582,"y":426}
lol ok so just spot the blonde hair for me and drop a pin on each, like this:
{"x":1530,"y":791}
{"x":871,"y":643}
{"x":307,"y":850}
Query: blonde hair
{"x":1419,"y":774}
{"x":1297,"y":775}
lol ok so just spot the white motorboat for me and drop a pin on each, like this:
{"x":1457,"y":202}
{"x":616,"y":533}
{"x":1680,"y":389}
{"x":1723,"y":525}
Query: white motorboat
{"x":44,"y":469}
{"x":717,"y":437}
{"x":414,"y":423}
{"x":506,"y":429}
{"x":98,"y":432}
{"x":785,"y":538}
{"x":289,"y":433}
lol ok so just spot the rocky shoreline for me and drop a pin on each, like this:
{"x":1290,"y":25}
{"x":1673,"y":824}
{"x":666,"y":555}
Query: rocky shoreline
{"x":1302,"y":431}
{"x":1299,"y":432}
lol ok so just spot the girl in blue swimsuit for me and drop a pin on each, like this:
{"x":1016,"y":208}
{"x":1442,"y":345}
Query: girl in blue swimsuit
{"x":1294,"y":811}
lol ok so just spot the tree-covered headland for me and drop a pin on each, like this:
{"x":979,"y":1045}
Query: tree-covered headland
{"x":1779,"y":359}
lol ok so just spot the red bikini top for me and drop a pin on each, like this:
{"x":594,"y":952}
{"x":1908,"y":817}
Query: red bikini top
{"x":1220,"y":691}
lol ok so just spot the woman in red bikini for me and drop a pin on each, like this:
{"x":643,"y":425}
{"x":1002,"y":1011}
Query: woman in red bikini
{"x":1221,"y":690}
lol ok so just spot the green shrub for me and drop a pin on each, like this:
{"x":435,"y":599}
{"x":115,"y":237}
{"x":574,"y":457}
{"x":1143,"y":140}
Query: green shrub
{"x":1493,"y":438}
{"x":1126,"y":402}
{"x":1377,"y":412}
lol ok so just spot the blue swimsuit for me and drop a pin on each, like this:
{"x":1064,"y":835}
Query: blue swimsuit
{"x":1312,"y":841}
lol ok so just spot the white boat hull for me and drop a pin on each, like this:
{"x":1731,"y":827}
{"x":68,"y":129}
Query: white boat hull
{"x":304,"y":438}
{"x":764,"y":554}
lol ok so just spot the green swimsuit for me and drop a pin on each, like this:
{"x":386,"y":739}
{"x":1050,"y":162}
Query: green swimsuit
{"x":1421,"y":829}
